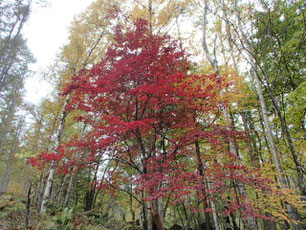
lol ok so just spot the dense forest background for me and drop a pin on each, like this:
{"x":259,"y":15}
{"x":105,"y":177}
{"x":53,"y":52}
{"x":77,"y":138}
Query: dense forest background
{"x":165,"y":114}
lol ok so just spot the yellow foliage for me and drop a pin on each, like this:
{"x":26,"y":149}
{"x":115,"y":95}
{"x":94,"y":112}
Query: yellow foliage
{"x":89,"y":38}
{"x":159,"y":13}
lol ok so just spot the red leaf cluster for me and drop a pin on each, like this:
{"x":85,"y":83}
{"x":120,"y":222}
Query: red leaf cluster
{"x":145,"y":111}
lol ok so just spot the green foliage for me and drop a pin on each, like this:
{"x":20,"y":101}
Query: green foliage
{"x":63,"y":220}
{"x":8,"y":204}
{"x":12,"y":211}
{"x":281,"y":46}
{"x":131,"y":226}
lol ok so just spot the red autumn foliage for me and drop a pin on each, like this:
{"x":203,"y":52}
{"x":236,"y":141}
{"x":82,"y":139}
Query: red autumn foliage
{"x":44,"y":158}
{"x":146,"y":110}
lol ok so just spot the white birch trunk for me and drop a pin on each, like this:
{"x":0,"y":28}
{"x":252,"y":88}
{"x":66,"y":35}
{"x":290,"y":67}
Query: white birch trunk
{"x":59,"y":134}
{"x":161,"y":209}
{"x":213,"y":62}
{"x":275,"y":154}
{"x":213,"y":207}
{"x":70,"y":186}
{"x":141,"y":217}
{"x":251,"y":223}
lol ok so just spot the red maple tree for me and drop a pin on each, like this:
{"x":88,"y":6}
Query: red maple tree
{"x":146,"y":110}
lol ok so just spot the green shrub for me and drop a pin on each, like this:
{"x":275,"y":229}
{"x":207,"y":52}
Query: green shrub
{"x":63,"y":220}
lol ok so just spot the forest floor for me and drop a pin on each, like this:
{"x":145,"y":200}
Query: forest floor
{"x":13,"y":216}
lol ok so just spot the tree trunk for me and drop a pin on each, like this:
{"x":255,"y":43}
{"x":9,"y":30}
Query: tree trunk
{"x":22,"y":17}
{"x":213,"y":207}
{"x":157,"y":219}
{"x":12,"y":151}
{"x":201,"y":172}
{"x":28,"y":207}
{"x":131,"y":206}
{"x":90,"y":193}
{"x":141,"y":215}
{"x":7,"y":173}
{"x":181,"y":218}
{"x":47,"y":192}
{"x":151,"y":225}
{"x":269,"y":224}
{"x":188,"y":218}
{"x":285,"y":130}
{"x":251,"y":223}
{"x":253,"y":159}
{"x":40,"y":190}
{"x":61,"y":190}
{"x":69,"y":190}
{"x":160,"y":208}
{"x":276,"y":158}
{"x":57,"y":144}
